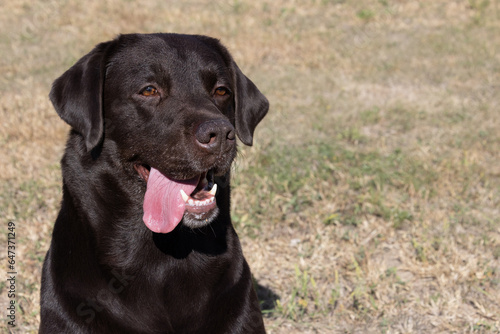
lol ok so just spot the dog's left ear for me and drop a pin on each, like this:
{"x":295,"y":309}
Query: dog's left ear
{"x":250,"y":106}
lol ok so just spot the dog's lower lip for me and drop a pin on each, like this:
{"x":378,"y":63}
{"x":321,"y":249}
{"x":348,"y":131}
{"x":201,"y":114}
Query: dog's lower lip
{"x":202,"y":208}
{"x":202,"y":200}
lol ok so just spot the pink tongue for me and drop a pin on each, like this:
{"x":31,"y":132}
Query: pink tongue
{"x":163,"y":203}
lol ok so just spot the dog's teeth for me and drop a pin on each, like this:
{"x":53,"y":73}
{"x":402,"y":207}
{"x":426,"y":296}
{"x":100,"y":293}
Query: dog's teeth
{"x":184,"y":196}
{"x":213,"y":190}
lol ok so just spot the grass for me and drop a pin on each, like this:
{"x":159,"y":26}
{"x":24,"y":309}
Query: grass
{"x":370,"y":201}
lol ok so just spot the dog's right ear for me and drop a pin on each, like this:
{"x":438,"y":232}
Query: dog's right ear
{"x":77,"y":95}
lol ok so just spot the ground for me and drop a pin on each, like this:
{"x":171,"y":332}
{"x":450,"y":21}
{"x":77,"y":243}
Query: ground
{"x":370,"y":202}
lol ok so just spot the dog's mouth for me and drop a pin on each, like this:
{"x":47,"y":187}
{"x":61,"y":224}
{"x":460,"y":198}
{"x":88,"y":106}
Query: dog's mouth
{"x":168,"y":201}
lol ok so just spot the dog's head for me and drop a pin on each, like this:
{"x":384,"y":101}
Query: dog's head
{"x":171,"y":106}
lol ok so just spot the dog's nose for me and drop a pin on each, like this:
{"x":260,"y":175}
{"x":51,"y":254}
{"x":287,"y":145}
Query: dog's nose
{"x":214,"y":135}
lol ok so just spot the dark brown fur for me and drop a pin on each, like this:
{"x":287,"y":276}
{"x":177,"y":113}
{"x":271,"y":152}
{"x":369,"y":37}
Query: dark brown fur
{"x":106,"y":272}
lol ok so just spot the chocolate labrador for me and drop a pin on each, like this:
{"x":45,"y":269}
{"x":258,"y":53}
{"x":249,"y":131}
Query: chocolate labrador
{"x":143,"y":242}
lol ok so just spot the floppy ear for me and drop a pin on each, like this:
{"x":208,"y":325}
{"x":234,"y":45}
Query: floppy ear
{"x":250,"y":106}
{"x":77,"y":95}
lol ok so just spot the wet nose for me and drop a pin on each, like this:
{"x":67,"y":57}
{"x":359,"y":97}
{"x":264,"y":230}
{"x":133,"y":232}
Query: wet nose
{"x":215,"y":135}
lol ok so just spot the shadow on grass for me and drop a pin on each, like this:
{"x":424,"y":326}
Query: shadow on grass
{"x":267,"y":299}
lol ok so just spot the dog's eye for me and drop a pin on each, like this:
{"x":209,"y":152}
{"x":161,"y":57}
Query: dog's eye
{"x":221,"y":91}
{"x":149,"y":91}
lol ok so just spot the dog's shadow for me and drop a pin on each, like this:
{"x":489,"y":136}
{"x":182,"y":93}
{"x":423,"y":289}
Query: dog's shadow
{"x":267,"y":298}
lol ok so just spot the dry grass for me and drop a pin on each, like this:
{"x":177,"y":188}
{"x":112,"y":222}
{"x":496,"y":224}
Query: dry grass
{"x":371,"y":201}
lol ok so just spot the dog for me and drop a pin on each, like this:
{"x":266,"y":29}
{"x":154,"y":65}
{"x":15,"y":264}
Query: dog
{"x":143,"y":242}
